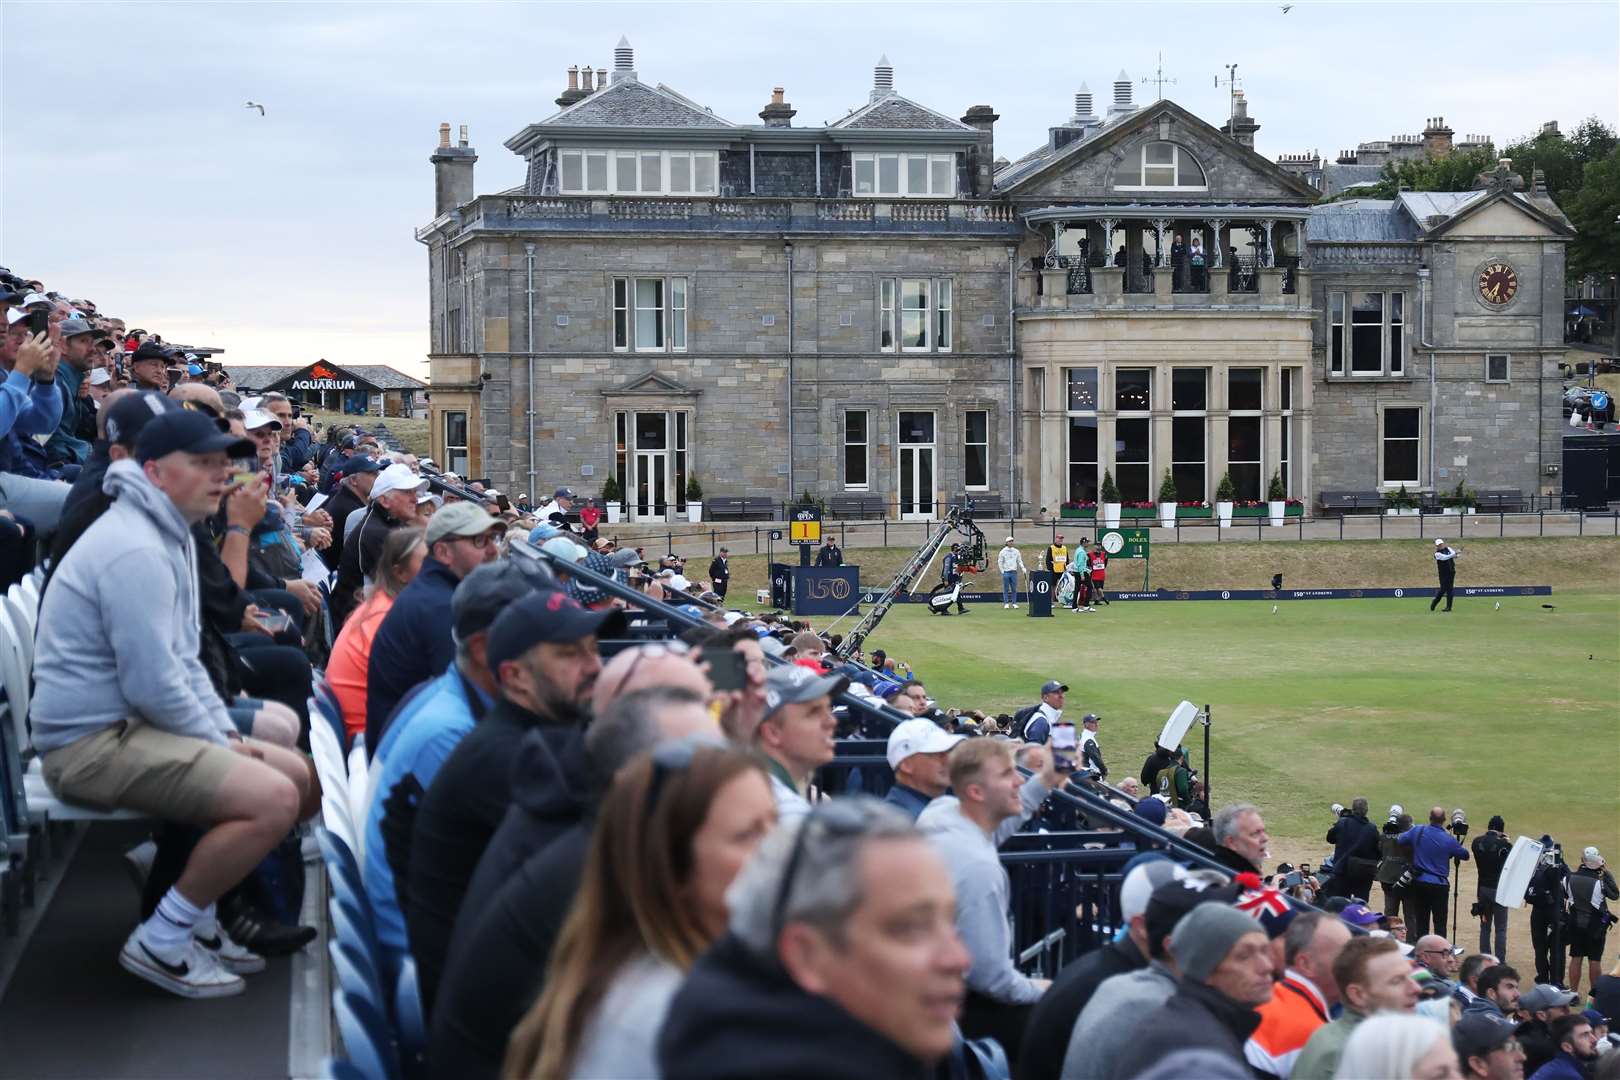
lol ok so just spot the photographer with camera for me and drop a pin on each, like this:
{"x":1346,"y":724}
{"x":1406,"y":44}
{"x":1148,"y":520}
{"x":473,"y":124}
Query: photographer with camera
{"x":1355,"y":852}
{"x":1548,"y":897}
{"x":1433,"y":849}
{"x":1491,"y":849}
{"x":1589,"y":885}
{"x":1395,"y":864}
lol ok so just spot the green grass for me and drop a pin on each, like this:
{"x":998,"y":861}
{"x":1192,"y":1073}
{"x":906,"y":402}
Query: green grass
{"x":1493,"y":711}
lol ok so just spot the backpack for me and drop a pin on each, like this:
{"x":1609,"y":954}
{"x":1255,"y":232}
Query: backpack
{"x":1021,"y":718}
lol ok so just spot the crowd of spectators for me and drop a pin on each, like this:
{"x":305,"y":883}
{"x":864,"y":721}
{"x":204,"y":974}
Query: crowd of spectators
{"x":609,"y":857}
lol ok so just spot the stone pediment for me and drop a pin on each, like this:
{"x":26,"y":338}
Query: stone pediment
{"x":651,"y":385}
{"x":1086,"y":170}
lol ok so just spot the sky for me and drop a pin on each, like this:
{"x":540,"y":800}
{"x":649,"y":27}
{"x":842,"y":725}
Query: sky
{"x":131,"y":171}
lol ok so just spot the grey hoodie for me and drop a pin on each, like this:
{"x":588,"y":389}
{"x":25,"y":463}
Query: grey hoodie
{"x":125,"y":598}
{"x":982,"y":890}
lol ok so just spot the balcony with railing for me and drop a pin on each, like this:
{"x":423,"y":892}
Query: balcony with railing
{"x":575,"y":214}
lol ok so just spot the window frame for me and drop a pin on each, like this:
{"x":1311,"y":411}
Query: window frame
{"x":875,"y":162}
{"x":1139,"y":153}
{"x":638,"y":159}
{"x":971,"y":449}
{"x":1257,"y":415}
{"x":1384,"y":438}
{"x":1507,"y":368}
{"x":865,"y":445}
{"x":451,"y":449}
{"x":1202,"y":416}
{"x":938,"y":314}
{"x":1394,"y":340}
{"x":671,"y":319}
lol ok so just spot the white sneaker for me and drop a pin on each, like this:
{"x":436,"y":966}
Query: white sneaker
{"x":229,"y":955}
{"x":195,"y":974}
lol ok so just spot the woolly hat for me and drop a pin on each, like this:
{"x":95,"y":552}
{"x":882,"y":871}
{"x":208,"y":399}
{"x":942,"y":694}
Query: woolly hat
{"x":1205,"y":935}
{"x":1151,"y":808}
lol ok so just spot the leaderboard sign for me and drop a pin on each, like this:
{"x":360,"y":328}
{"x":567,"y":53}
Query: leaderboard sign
{"x":1423,"y":593}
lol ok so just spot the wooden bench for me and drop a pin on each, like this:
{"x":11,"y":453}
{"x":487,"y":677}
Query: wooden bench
{"x":1501,"y":501}
{"x":1346,"y":501}
{"x":740,"y":508}
{"x":985,"y":505}
{"x":855,"y":506}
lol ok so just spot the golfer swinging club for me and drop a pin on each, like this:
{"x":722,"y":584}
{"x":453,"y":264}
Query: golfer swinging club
{"x":1445,"y":561}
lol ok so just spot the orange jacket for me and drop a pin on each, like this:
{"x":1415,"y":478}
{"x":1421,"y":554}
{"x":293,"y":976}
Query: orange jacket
{"x":1287,"y":1022}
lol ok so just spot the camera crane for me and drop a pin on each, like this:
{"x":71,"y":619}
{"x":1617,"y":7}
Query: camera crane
{"x":957,"y":519}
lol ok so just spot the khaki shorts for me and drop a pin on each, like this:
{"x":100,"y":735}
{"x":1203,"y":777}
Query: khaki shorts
{"x":138,"y":767}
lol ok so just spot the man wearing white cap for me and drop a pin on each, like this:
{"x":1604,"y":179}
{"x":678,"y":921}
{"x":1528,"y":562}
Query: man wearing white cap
{"x":393,"y":503}
{"x":1589,"y":884}
{"x":922,"y":773}
{"x":1445,"y":561}
{"x":1010,"y":561}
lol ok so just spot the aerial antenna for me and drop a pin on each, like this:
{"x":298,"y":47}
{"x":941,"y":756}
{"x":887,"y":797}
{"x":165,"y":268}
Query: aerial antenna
{"x":1158,"y":79}
{"x":1233,"y":84}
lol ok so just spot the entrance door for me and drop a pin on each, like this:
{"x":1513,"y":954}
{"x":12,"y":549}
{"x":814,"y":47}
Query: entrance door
{"x":651,"y":484}
{"x":916,"y":466}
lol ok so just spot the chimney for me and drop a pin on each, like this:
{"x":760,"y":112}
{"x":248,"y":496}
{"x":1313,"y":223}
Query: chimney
{"x":882,"y":79}
{"x":602,"y":79}
{"x":1240,"y":128}
{"x":1550,"y":128}
{"x":1346,"y":157}
{"x":573,"y":93}
{"x":778,"y":114}
{"x":1082,"y":107}
{"x":585,"y":85}
{"x":1538,"y":183}
{"x":452,"y":172}
{"x":624,"y":62}
{"x":981,"y":159}
{"x":1437,"y":137}
{"x":1122,"y":96}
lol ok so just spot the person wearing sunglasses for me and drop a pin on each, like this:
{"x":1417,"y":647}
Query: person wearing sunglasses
{"x":841,"y":958}
{"x":992,"y":802}
{"x":674,"y":831}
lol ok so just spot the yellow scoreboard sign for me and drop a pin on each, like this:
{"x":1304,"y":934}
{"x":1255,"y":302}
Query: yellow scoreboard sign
{"x":805,"y":528}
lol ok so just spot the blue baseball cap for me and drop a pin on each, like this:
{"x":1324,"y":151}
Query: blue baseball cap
{"x":361,"y":464}
{"x":184,"y":431}
{"x":541,"y":616}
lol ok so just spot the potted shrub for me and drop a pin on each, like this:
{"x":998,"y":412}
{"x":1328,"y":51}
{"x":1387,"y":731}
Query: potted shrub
{"x":1167,"y":500}
{"x":1225,"y":492}
{"x":1109,"y":497}
{"x":694,"y":499}
{"x":1276,"y":499}
{"x":1400,"y":503}
{"x":1078,"y":509}
{"x":1459,"y":500}
{"x":613,"y":498}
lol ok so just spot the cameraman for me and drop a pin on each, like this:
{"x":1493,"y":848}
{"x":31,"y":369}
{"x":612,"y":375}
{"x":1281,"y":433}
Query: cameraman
{"x":1433,"y":848}
{"x":1355,"y":852}
{"x":1491,"y":849}
{"x":1549,"y":899}
{"x":1590,"y":884}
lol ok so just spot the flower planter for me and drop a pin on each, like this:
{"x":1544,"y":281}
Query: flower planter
{"x":1111,"y":515}
{"x":1295,"y":510}
{"x":1085,"y":513}
{"x":1137,"y":513}
{"x":1458,"y":511}
{"x":1194,"y":512}
{"x":1401,"y":511}
{"x":1249,"y":511}
{"x":1223,"y":510}
{"x":694,"y":512}
{"x":613,"y":511}
{"x":1167,"y":514}
{"x":1277,"y":509}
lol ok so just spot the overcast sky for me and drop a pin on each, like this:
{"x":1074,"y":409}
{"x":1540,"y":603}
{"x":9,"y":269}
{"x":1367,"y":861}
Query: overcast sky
{"x":133,"y":174}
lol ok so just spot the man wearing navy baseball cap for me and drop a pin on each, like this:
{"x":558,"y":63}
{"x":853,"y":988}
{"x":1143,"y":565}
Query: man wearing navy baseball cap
{"x":156,"y":738}
{"x":542,"y":653}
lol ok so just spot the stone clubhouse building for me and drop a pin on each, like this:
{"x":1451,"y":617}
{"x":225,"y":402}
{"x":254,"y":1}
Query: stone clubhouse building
{"x":886,"y":307}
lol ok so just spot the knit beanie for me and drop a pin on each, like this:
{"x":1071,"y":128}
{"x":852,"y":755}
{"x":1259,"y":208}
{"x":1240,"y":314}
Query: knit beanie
{"x":1152,"y":809}
{"x":1205,"y":935}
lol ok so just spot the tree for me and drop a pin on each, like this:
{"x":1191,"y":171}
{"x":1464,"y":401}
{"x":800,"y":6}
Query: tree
{"x":1593,"y":208}
{"x":1453,"y":172}
{"x":1562,"y":159}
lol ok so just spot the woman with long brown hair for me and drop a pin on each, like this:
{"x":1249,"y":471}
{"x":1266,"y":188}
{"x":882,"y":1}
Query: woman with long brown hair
{"x":674,"y":830}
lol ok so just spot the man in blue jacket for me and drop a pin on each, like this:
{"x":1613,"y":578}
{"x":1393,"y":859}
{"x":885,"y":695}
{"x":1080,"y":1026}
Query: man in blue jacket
{"x":30,"y":404}
{"x":1432,"y":850}
{"x":1577,"y":1050}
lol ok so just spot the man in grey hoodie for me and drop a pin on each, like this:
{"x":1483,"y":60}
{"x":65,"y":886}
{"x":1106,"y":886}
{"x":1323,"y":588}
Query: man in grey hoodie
{"x":991,"y":803}
{"x":155,"y":737}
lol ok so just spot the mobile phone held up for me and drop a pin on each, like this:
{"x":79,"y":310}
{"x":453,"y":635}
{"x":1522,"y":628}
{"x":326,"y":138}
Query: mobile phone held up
{"x":728,"y":669}
{"x":1063,"y":739}
{"x":39,"y":322}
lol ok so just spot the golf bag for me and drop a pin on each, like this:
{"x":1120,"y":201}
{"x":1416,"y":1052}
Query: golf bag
{"x":942,"y":596}
{"x":1065,"y":590}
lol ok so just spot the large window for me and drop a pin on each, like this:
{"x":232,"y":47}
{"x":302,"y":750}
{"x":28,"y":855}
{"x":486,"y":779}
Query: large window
{"x":1401,"y":445}
{"x":638,"y":172}
{"x":1133,"y":389}
{"x":1133,"y":465}
{"x":1189,"y":396}
{"x":1366,"y":333}
{"x":1082,"y":388}
{"x":1158,"y":165}
{"x":916,"y":312}
{"x":976,"y":450}
{"x":1244,"y":396}
{"x":930,"y":176}
{"x":456,"y":458}
{"x":857,"y":443}
{"x":649,"y":314}
{"x":1083,"y":458}
{"x":1286,"y":454}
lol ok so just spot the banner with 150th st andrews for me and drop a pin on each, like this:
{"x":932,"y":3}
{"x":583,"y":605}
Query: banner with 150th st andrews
{"x":1421,"y":592}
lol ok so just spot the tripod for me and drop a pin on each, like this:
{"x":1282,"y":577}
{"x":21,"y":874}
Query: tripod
{"x":1456,"y":887}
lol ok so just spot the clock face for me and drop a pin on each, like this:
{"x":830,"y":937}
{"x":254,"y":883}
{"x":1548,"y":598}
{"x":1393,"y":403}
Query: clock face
{"x":1498,"y":283}
{"x":1113,"y":543}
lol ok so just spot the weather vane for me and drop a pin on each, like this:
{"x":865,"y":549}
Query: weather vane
{"x":1232,"y":83}
{"x":1158,"y":79}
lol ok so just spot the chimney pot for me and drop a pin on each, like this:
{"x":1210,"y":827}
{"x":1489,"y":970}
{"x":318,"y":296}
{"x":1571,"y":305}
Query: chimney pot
{"x":776,"y":95}
{"x":573,"y":76}
{"x":585,"y":85}
{"x":601,"y":78}
{"x":444,"y":136}
{"x":463,"y":134}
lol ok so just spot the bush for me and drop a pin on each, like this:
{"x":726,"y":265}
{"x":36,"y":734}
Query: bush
{"x":1167,"y":488}
{"x":1274,"y":491}
{"x":610,"y":490}
{"x":1110,"y":491}
{"x":1225,"y":491}
{"x":1460,"y":496}
{"x":694,"y":490}
{"x":1401,"y":499}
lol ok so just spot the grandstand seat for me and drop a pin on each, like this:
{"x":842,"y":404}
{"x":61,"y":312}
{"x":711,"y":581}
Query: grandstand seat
{"x":409,"y":1022}
{"x":335,"y":816}
{"x":333,"y":771}
{"x":359,"y":774}
{"x":351,"y":921}
{"x":365,"y":1037}
{"x":339,"y":1069}
{"x":356,"y":974}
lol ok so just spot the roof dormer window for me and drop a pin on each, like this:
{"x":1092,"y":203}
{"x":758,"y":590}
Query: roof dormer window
{"x":638,"y":172}
{"x":915,"y":176}
{"x":1159,"y":166}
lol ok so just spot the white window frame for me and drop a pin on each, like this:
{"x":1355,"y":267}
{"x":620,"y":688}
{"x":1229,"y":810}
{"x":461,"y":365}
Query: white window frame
{"x":936,"y":185}
{"x":1259,"y":414}
{"x":938,"y":315}
{"x":1336,"y":321}
{"x":1507,"y":367}
{"x":699,"y":164}
{"x":969,"y":448}
{"x":1393,"y":337}
{"x":942,"y":314}
{"x":924,"y":314}
{"x":1286,"y":381}
{"x":674,"y":305}
{"x":1202,"y":416}
{"x":887,"y":302}
{"x":451,"y":450}
{"x":865,"y":444}
{"x":1140,"y":156}
{"x":1383,"y":426}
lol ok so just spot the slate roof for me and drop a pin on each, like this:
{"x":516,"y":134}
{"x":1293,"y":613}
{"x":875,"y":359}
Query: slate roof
{"x":1423,"y":205}
{"x":262,"y":376}
{"x":895,"y":113}
{"x":1337,"y":178}
{"x":1359,"y":221}
{"x":629,"y":103}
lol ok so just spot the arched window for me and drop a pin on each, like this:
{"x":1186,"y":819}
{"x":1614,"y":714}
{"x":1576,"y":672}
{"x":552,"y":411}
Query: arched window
{"x":1158,"y":165}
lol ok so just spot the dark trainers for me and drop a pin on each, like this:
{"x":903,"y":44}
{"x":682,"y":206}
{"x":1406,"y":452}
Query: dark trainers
{"x":266,"y":936}
{"x":229,"y":955}
{"x":195,"y":974}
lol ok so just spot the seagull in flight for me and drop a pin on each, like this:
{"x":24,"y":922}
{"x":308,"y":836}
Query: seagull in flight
{"x":1287,"y":8}
{"x":255,"y":105}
